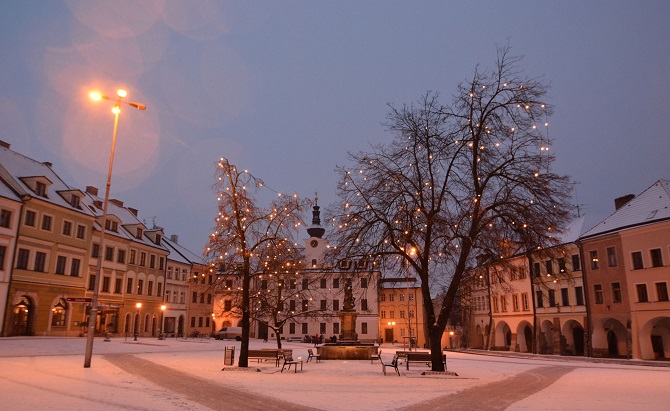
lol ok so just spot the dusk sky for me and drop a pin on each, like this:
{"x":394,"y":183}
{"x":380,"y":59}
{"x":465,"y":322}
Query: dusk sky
{"x":286,"y":88}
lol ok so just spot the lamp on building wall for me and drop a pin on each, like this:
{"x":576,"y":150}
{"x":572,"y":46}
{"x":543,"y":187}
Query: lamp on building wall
{"x":93,"y":315}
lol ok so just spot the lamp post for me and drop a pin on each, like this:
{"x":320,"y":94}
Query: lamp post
{"x":93,"y":314}
{"x":412,"y":251}
{"x":138,"y":321}
{"x":161,"y":336}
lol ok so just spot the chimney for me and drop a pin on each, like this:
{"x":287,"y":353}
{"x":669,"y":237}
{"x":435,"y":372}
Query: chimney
{"x":174,"y":238}
{"x":133,"y":210}
{"x":98,"y":204}
{"x":92,"y":190}
{"x":116,"y":202}
{"x":4,"y":144}
{"x":622,"y":201}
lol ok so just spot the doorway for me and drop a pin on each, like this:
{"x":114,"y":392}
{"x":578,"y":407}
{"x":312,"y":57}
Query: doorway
{"x":388,"y":335}
{"x":22,"y":315}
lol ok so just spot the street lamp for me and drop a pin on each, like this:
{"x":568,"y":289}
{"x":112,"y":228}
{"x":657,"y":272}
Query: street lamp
{"x":412,"y":252}
{"x":138,"y":320}
{"x":93,"y":314}
{"x":161,"y":336}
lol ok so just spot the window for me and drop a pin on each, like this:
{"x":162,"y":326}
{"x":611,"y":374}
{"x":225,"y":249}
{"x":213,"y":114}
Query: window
{"x":74,"y":270}
{"x":611,"y":257}
{"x":304,"y":328}
{"x":642,"y":296}
{"x":46,"y":222}
{"x":410,"y":296}
{"x":291,"y":328}
{"x":91,"y":282}
{"x":637,"y":260}
{"x":228,"y":305}
{"x":111,"y":225}
{"x":95,"y":251}
{"x":199,"y":321}
{"x":139,"y":233}
{"x":579,"y":295}
{"x":324,"y":304}
{"x":515,"y":302}
{"x":336,"y":283}
{"x":30,"y":218}
{"x":662,"y":291}
{"x":536,"y":269}
{"x":5,"y":218}
{"x":264,"y":284}
{"x":132,"y":257}
{"x":143,"y":259}
{"x":292,"y":284}
{"x":305,"y":305}
{"x":118,"y":283}
{"x":121,"y":256}
{"x":322,"y":328}
{"x":81,"y":232}
{"x":67,"y":228}
{"x":105,"y":284}
{"x":75,"y":201}
{"x":576,"y":263}
{"x":656,"y":257}
{"x":41,"y":189}
{"x":58,"y":314}
{"x":336,"y":305}
{"x":593,"y":256}
{"x":161,"y":264}
{"x":195,"y":297}
{"x":565,"y":299}
{"x":364,"y":328}
{"x":495,"y":303}
{"x":192,"y":321}
{"x":40,"y":261}
{"x":109,"y":253}
{"x":152,"y":261}
{"x":60,"y":264}
{"x":291,"y":305}
{"x":336,"y":328}
{"x":324,"y":283}
{"x":549,"y":265}
{"x":22,"y":259}
{"x":391,"y":297}
{"x":364,"y":304}
{"x":364,"y":283}
{"x":562,"y":268}
{"x":160,"y":290}
{"x":202,"y":298}
{"x":391,"y":314}
{"x":552,"y":298}
{"x":3,"y":252}
{"x":402,"y":313}
{"x":169,"y":273}
{"x":382,"y":297}
{"x":150,"y":288}
{"x":524,"y":301}
{"x":305,"y":283}
{"x":382,"y":314}
{"x":616,"y":292}
{"x":402,"y":297}
{"x":140,"y":287}
{"x":129,"y":286}
{"x":539,"y":298}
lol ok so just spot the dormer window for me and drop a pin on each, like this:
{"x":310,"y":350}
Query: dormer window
{"x":111,"y":226}
{"x":139,"y":233}
{"x":41,"y":189}
{"x":75,"y":201}
{"x":158,"y":239}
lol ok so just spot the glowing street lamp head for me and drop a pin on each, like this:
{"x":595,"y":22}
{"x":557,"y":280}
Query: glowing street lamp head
{"x":163,"y":307}
{"x":138,"y":305}
{"x":116,"y":109}
{"x":95,"y":95}
{"x":121,"y":93}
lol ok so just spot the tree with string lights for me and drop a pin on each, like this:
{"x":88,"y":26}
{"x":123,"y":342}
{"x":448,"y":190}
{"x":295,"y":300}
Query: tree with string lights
{"x":247,"y":238}
{"x":456,"y":182}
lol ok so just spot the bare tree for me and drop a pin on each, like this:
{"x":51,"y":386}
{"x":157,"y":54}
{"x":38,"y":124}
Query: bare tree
{"x":456,"y":181}
{"x":247,"y":237}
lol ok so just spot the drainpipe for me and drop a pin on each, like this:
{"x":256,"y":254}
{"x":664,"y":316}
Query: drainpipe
{"x":532,"y":296}
{"x":588,"y":325}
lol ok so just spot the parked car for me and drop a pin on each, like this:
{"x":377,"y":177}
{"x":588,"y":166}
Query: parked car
{"x":227,"y":333}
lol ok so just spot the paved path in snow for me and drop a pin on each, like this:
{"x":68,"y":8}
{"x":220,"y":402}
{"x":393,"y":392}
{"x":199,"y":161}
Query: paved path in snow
{"x":496,"y":395}
{"x":204,"y":392}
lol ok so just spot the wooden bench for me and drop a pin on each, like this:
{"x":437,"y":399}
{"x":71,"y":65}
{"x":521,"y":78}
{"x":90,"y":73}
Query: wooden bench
{"x":423,"y":357}
{"x":311,"y":355}
{"x":261,"y":355}
{"x":393,"y":364}
{"x":294,"y":339}
{"x":288,"y":360}
{"x":377,"y":356}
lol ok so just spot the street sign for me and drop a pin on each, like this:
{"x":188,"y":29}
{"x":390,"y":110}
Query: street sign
{"x":79,"y":299}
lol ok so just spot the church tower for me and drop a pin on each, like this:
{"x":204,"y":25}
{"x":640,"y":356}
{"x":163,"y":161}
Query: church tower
{"x":315,"y":245}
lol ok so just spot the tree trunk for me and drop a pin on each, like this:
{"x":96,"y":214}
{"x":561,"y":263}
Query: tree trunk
{"x":436,"y":349}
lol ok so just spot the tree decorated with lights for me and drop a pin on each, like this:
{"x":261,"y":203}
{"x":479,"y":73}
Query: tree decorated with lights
{"x":457,"y":181}
{"x":248,"y":239}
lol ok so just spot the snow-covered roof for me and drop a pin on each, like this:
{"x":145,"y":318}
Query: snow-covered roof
{"x":7,"y":192}
{"x":650,"y":206}
{"x":180,"y":254}
{"x":17,"y":170}
{"x":571,"y":233}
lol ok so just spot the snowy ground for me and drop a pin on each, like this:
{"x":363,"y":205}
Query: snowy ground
{"x":43,"y":372}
